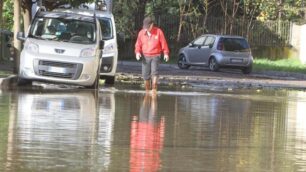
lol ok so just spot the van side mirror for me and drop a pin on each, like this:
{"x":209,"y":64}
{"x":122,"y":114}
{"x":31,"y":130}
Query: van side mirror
{"x":101,"y":45}
{"x":20,"y":36}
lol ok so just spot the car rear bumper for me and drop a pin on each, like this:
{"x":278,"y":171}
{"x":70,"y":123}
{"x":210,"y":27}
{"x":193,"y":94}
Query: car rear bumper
{"x":236,"y":62}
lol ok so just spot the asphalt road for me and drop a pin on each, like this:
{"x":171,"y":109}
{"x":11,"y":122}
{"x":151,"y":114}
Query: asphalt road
{"x":170,"y":74}
{"x":201,"y":76}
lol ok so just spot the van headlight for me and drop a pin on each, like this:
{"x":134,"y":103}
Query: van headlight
{"x":108,"y":49}
{"x":88,"y":52}
{"x":32,"y":47}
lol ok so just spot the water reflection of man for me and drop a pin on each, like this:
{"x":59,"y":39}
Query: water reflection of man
{"x":147,"y":137}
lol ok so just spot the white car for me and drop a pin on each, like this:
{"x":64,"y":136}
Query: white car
{"x":62,"y":46}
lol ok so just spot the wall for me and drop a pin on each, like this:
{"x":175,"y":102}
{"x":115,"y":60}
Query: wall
{"x":298,"y":41}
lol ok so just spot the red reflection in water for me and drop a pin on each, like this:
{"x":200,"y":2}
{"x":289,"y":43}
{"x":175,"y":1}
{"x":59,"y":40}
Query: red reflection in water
{"x":147,"y":137}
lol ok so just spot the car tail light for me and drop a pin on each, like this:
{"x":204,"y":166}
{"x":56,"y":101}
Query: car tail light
{"x":220,"y":45}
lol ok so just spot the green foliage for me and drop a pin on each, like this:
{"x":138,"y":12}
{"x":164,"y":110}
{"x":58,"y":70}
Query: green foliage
{"x":286,"y":9}
{"x":8,"y":14}
{"x":124,"y":16}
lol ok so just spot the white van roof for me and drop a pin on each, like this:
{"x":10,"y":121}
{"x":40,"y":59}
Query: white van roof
{"x":86,"y":12}
{"x":75,"y":11}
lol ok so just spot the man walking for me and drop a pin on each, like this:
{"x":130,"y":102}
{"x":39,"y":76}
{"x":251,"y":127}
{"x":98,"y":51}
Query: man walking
{"x":150,"y":45}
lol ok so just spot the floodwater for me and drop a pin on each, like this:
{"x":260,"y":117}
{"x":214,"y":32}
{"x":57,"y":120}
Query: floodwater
{"x":125,"y":130}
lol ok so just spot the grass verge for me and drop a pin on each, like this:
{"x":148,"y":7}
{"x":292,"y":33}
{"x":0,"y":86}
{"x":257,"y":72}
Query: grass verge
{"x":5,"y":73}
{"x":284,"y":65}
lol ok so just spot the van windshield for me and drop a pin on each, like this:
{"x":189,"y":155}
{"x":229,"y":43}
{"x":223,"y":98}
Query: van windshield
{"x":63,"y":29}
{"x":107,"y":29}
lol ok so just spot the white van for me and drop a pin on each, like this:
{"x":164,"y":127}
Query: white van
{"x":110,"y":51}
{"x":62,"y":46}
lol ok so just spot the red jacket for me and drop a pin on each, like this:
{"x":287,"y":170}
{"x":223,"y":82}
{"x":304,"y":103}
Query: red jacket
{"x":153,"y":45}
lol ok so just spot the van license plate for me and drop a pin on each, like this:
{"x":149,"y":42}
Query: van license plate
{"x":236,"y":60}
{"x":56,"y":69}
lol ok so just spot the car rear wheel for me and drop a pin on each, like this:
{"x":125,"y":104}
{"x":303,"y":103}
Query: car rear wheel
{"x":182,"y":64}
{"x":213,"y":64}
{"x":247,"y":70}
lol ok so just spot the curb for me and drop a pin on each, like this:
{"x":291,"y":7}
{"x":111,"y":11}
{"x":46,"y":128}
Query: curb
{"x":8,"y":82}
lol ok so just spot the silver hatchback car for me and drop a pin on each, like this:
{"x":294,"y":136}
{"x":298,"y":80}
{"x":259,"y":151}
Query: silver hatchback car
{"x":216,"y":51}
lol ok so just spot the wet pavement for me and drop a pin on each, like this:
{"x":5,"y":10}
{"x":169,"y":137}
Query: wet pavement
{"x":171,"y":75}
{"x":123,"y":129}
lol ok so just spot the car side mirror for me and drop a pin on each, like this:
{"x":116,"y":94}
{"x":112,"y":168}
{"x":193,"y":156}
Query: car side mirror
{"x":210,"y":45}
{"x":101,"y":45}
{"x":20,"y":36}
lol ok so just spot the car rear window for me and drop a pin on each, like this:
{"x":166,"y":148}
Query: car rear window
{"x":235,"y":44}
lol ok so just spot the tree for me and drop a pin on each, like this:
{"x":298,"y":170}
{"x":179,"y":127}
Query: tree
{"x":1,"y":16}
{"x":129,"y":15}
{"x":249,"y":10}
{"x":186,"y":9}
{"x":208,"y":6}
{"x":140,"y":13}
{"x":281,"y":9}
{"x":230,"y":9}
{"x":7,"y":15}
{"x":17,"y":44}
{"x":26,"y":6}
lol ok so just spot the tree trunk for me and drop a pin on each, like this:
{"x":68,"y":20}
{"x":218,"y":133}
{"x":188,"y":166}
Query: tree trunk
{"x":235,"y":8}
{"x":178,"y":37}
{"x":1,"y":16}
{"x":225,"y":19}
{"x":280,"y":11}
{"x":27,"y":10}
{"x":17,"y":44}
{"x":140,"y":13}
{"x":224,"y":6}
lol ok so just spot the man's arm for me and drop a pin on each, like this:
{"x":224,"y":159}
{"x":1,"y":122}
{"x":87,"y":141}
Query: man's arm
{"x":138,"y":47}
{"x":138,"y":44}
{"x":164,"y":45}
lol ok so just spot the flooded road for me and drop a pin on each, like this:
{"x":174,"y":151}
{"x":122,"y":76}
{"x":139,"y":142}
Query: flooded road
{"x":124,"y":130}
